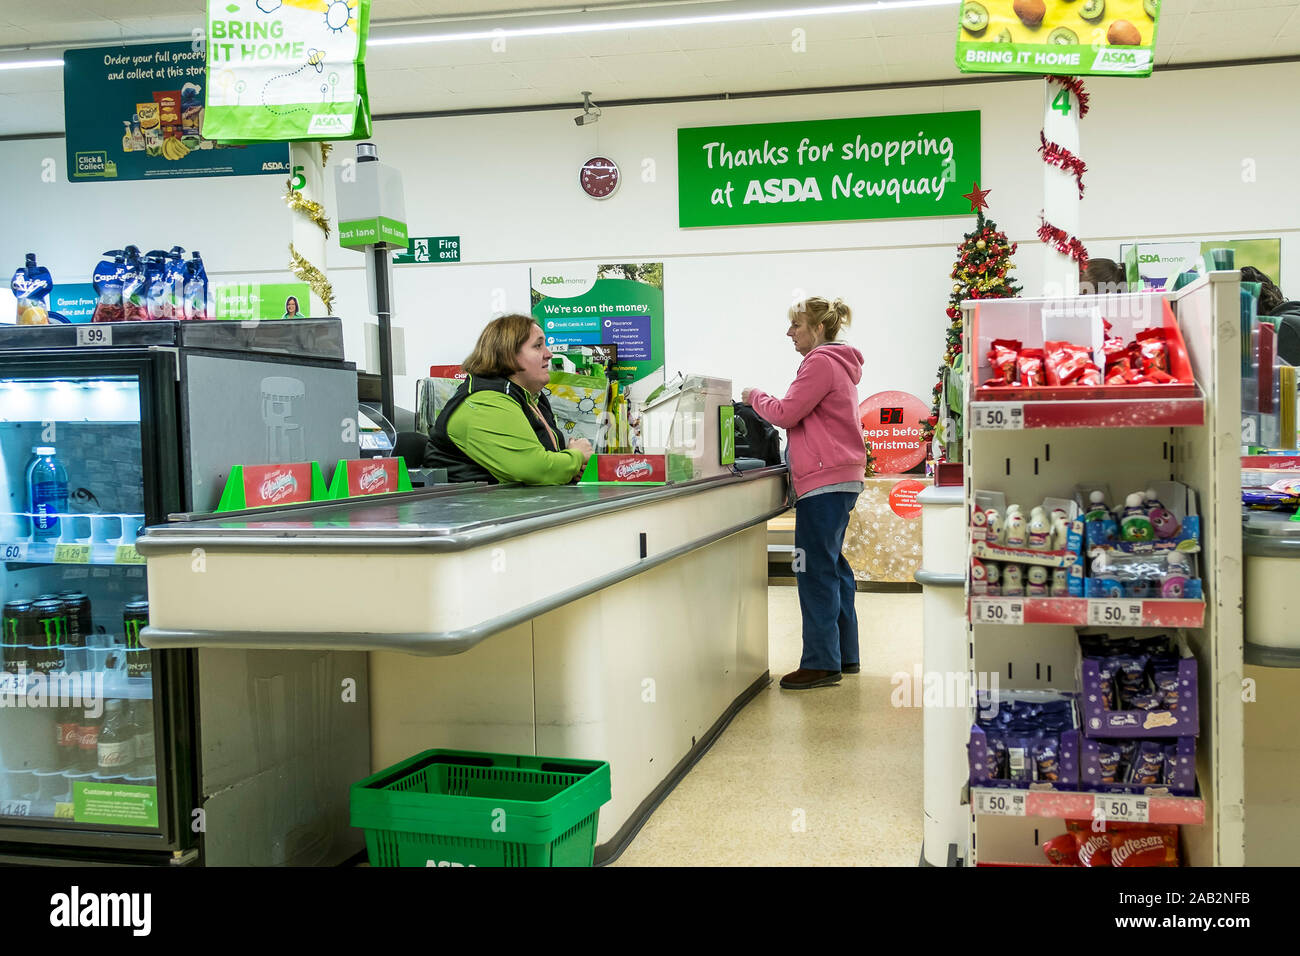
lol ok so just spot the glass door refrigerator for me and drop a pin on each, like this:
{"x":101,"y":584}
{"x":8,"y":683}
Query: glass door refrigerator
{"x":109,"y":753}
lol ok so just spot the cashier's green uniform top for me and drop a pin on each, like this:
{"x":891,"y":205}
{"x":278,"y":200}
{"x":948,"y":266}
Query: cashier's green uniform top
{"x":492,"y":430}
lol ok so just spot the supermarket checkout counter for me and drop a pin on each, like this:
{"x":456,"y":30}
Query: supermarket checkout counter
{"x":622,"y":623}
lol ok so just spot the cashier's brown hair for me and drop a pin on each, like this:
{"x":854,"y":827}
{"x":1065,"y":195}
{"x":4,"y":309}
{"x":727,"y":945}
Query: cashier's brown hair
{"x":831,"y":316}
{"x":498,"y":344}
{"x":1101,"y":277}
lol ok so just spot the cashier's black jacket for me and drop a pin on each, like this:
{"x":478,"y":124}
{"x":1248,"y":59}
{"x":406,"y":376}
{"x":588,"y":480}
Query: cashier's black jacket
{"x":442,"y":452}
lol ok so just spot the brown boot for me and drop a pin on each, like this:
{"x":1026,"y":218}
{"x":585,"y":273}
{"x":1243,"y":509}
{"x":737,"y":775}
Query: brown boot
{"x":808,"y":679}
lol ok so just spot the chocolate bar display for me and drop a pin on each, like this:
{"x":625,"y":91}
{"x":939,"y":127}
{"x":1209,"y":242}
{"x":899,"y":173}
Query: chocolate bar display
{"x":1137,"y":687}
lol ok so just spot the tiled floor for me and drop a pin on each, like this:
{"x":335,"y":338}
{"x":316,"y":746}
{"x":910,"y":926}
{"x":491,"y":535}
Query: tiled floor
{"x":804,"y":778}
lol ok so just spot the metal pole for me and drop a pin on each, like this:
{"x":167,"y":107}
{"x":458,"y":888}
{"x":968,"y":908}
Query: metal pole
{"x":383,"y":303}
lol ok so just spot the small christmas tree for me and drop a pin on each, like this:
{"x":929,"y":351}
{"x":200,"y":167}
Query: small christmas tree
{"x":871,"y":461}
{"x":981,"y":272}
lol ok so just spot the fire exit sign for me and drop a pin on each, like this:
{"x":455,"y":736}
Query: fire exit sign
{"x":430,"y":249}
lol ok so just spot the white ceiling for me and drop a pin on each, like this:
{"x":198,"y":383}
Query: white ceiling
{"x":882,"y":47}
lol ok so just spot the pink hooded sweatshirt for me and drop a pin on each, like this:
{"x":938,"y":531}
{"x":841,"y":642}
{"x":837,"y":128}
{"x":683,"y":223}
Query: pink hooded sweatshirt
{"x":820,"y":416}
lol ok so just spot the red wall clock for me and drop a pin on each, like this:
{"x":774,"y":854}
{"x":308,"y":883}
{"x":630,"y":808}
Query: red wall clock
{"x":599,"y":177}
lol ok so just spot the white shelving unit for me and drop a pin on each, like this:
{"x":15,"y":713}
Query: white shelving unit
{"x":1029,"y":450}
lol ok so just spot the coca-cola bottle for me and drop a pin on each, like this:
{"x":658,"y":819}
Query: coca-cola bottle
{"x":67,"y":737}
{"x":116,"y":749}
{"x":88,"y":744}
{"x":144,"y":760}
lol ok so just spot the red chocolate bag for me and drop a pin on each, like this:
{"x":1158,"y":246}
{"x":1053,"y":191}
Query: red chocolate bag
{"x":1114,"y":351}
{"x":1093,"y":848}
{"x":1154,"y":350}
{"x":1144,"y":846}
{"x":1062,"y":850}
{"x":1066,"y":362}
{"x":1030,"y":364}
{"x":1002,"y":358}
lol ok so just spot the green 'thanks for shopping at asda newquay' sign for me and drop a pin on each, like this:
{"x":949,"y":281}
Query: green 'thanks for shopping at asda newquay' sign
{"x":286,"y":70}
{"x":1065,"y":37}
{"x":877,"y":167}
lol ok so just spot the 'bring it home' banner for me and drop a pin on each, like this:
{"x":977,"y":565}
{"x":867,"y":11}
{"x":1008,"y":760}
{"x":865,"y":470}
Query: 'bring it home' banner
{"x":286,"y":70}
{"x":876,"y":167}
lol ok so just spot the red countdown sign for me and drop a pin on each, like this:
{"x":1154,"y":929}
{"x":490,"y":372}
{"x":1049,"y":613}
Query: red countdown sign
{"x":891,"y":423}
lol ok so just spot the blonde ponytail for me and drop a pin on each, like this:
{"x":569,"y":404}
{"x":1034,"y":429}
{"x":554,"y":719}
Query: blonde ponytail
{"x":831,"y":316}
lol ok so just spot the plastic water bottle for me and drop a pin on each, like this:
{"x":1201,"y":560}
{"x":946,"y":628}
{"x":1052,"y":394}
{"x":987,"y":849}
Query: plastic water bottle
{"x":47,"y":489}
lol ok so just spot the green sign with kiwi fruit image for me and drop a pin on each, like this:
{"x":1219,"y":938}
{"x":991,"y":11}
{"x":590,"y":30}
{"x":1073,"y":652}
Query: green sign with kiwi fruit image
{"x":1065,"y":37}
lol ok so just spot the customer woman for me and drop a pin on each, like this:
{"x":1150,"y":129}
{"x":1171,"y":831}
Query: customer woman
{"x":827,"y":465}
{"x":498,"y":426}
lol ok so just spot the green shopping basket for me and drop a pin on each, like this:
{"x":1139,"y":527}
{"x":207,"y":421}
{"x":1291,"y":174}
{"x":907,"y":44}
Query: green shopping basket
{"x":464,"y":808}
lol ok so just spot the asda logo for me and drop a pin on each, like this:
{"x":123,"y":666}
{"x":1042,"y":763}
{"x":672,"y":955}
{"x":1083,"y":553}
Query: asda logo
{"x":275,"y":167}
{"x":552,"y":280}
{"x":329,"y":123}
{"x":1122,"y":60}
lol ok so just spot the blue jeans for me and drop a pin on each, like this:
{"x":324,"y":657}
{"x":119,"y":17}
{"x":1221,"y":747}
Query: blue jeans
{"x":826,"y":584}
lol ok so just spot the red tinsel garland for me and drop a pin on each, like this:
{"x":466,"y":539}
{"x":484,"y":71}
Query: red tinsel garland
{"x":1056,"y":155}
{"x":1075,"y":86}
{"x":1062,"y":242}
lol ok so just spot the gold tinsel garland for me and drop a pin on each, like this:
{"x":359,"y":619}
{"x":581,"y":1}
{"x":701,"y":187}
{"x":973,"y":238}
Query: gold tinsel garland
{"x":309,"y":208}
{"x":304,"y":271}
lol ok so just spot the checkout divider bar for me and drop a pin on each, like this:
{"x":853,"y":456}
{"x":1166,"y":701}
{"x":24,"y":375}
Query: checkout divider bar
{"x":437,"y":644}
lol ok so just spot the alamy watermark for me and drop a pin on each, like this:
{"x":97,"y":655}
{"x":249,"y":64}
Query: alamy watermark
{"x":946,"y":689}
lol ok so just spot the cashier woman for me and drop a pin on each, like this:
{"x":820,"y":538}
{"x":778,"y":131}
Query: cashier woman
{"x":498,"y":427}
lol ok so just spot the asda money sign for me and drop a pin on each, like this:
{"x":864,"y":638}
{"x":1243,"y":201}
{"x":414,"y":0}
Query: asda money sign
{"x":877,"y":167}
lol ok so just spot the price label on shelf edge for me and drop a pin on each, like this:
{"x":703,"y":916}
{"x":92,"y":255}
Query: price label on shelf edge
{"x":127,"y":554}
{"x":997,"y":611}
{"x":15,"y":552}
{"x":16,"y":808}
{"x":72,"y":554}
{"x":1000,"y":416}
{"x":1000,"y":803}
{"x":13,"y":684}
{"x":1114,"y":613}
{"x":94,"y":335}
{"x":1122,"y":808}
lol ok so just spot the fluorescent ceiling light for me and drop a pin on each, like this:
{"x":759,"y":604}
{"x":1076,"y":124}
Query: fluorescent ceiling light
{"x":578,"y":27}
{"x":30,"y":64}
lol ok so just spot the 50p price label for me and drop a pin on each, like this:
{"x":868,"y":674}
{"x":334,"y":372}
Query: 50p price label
{"x":94,"y":335}
{"x":997,"y":611}
{"x":1121,"y":808}
{"x":1000,"y":416}
{"x":999,"y":803}
{"x":1115,"y":613}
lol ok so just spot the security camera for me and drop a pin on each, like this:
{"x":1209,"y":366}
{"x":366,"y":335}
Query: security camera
{"x":590,"y":112}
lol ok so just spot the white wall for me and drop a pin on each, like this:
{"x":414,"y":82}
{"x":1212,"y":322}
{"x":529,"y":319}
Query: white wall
{"x":1165,"y":160}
